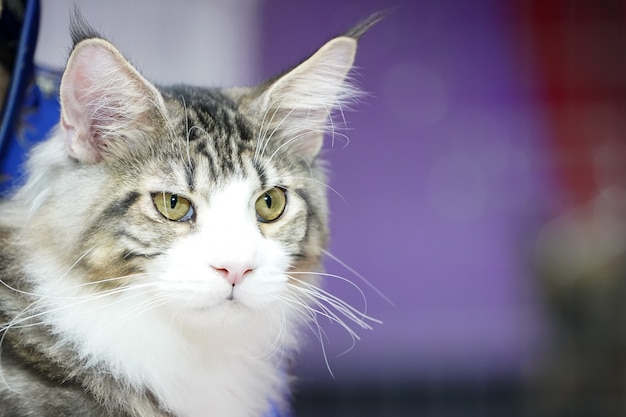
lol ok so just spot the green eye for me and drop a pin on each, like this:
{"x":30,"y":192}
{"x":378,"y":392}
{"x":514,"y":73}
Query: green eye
{"x":271,"y":205}
{"x":173,"y":206}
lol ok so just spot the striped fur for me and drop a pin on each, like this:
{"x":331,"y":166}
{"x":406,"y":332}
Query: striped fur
{"x":111,"y":309}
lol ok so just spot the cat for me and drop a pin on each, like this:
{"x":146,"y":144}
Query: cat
{"x":163,"y":252}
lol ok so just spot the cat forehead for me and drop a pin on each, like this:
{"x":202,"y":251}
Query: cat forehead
{"x":213,"y":140}
{"x":212,"y":112}
{"x":205,"y":129}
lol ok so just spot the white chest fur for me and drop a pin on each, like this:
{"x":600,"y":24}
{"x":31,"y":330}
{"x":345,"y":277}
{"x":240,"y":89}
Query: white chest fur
{"x":232,"y":370}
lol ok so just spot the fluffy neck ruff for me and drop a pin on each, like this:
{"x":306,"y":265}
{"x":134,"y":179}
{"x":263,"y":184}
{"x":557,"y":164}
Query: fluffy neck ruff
{"x":192,"y":369}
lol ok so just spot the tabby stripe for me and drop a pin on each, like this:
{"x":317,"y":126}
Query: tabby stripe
{"x":310,"y":215}
{"x":129,"y":255}
{"x":125,"y":234}
{"x":226,"y":157}
{"x":190,"y":168}
{"x":203,"y":149}
{"x":120,"y":207}
{"x":227,"y":125}
{"x":205,"y":119}
{"x":113,"y":212}
{"x":244,"y":130}
{"x":260,"y":170}
{"x":193,"y":131}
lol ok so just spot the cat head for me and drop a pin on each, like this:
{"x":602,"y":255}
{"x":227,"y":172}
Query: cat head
{"x":203,"y":200}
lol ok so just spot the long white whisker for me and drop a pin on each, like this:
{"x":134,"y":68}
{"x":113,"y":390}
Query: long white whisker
{"x":277,"y":342}
{"x":37,"y":309}
{"x":68,"y":297}
{"x":318,"y":182}
{"x":262,"y":132}
{"x":78,"y":300}
{"x":333,"y":318}
{"x":319,"y":300}
{"x":310,"y":316}
{"x":293,"y":139}
{"x":276,"y":128}
{"x":20,"y":322}
{"x":349,"y":311}
{"x":313,"y":312}
{"x":339,"y":107}
{"x":188,"y":131}
{"x":358,"y":275}
{"x":80,"y":258}
{"x":143,"y":307}
{"x":263,"y":138}
{"x":362,"y":314}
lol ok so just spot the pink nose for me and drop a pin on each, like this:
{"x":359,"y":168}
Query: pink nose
{"x":233,"y":274}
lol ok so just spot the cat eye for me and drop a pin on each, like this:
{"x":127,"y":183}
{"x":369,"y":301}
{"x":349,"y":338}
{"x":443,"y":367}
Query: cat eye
{"x":173,"y":206}
{"x":271,"y":205}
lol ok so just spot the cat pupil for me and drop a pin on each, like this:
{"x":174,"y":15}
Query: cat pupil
{"x":268,"y":200}
{"x":173,"y":201}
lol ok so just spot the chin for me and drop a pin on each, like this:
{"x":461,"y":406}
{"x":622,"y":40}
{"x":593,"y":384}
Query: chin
{"x":225,"y":313}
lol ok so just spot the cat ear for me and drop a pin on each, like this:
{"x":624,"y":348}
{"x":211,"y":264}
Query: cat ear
{"x":299,"y":104}
{"x":105,"y":102}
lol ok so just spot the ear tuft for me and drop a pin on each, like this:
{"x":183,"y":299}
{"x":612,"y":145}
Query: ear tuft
{"x":366,"y":24}
{"x":104,"y":100}
{"x":80,"y":30}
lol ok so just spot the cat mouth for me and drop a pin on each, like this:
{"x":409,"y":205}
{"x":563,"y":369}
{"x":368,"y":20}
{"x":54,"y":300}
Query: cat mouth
{"x":231,"y":296}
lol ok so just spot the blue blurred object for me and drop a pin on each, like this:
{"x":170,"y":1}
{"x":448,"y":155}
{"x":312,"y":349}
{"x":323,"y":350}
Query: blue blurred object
{"x":31,"y":108}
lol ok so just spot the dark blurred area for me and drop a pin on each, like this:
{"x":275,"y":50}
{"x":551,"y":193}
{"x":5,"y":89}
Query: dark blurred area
{"x":581,"y":50}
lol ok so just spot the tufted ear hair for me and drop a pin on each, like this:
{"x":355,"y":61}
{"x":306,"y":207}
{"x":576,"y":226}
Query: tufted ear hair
{"x":294,"y":109}
{"x":106,"y":105}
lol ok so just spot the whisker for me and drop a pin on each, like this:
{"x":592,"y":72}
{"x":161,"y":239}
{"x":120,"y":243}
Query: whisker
{"x":349,"y":311}
{"x":68,"y":297}
{"x":339,"y":277}
{"x":4,"y":329}
{"x":332,"y":316}
{"x":339,"y":108}
{"x":80,"y":258}
{"x":78,"y":300}
{"x":309,"y":315}
{"x":358,"y":275}
{"x":318,"y":182}
{"x":276,"y":128}
{"x":188,"y":133}
{"x":293,"y":139}
{"x":37,"y":310}
{"x":173,"y":318}
{"x":275,"y":345}
{"x":263,"y":139}
{"x":261,"y":135}
{"x":144,"y":306}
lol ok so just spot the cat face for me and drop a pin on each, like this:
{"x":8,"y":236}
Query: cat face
{"x":201,"y":200}
{"x":206,"y":221}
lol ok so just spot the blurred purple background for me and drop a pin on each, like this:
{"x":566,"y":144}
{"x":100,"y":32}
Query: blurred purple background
{"x":443,"y":187}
